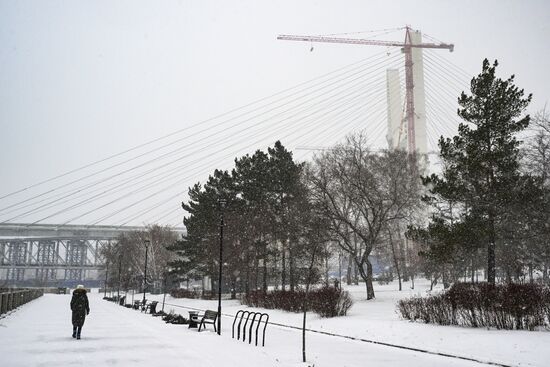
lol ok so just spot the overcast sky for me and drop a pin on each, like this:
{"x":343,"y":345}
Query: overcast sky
{"x":81,"y":80}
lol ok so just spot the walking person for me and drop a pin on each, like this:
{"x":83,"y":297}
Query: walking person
{"x":80,"y":308}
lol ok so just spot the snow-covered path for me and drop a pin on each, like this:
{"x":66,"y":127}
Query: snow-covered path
{"x":38,"y":334}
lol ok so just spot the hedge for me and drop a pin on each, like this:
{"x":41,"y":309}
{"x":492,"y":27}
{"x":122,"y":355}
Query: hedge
{"x":503,"y":306}
{"x":326,"y":301}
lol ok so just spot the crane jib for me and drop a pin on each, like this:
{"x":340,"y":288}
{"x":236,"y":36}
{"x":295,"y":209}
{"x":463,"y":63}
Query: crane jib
{"x":358,"y":41}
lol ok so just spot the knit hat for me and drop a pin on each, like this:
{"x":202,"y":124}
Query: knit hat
{"x":80,"y":286}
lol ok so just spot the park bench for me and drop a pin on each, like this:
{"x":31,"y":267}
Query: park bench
{"x":209,"y":317}
{"x":138,"y":304}
{"x":151,"y":306}
{"x":122,"y":300}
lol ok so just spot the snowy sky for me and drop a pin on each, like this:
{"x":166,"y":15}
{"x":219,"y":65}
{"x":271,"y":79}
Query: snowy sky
{"x":81,"y":80}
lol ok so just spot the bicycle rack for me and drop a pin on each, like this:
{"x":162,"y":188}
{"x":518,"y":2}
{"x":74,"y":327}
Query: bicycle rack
{"x":256,"y":317}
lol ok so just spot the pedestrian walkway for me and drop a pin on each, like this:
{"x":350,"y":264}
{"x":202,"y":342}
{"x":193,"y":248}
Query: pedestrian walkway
{"x":39,"y":334}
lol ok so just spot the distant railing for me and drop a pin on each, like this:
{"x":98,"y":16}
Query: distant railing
{"x":11,"y":299}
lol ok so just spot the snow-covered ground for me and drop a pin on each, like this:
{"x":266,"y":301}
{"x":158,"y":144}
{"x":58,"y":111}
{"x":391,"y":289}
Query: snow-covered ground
{"x":38,"y":334}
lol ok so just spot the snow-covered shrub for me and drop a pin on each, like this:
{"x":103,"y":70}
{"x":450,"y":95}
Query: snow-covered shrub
{"x":169,"y":317}
{"x":281,"y":300}
{"x":384,"y":279}
{"x":326,"y":301}
{"x":183,"y":293}
{"x":331,"y":302}
{"x":173,"y":318}
{"x":430,"y":309}
{"x":179,"y":320}
{"x":505,"y":306}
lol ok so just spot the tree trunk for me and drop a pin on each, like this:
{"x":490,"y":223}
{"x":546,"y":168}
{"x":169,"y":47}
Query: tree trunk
{"x":304,"y":308}
{"x":355,"y":274}
{"x":291,"y":269}
{"x":264,"y":278}
{"x":355,"y":266}
{"x":445,"y":278}
{"x":348,"y":272}
{"x":368,"y":280}
{"x":212,"y":287}
{"x":283,"y":268}
{"x":326,"y":269}
{"x":473,"y":270}
{"x":233,"y":287}
{"x":366,"y":275}
{"x":339,"y":267}
{"x":247,"y":279}
{"x":508,"y":276}
{"x":395,"y":259}
{"x":305,"y":303}
{"x":256,"y":267}
{"x":264,"y":283}
{"x":403,"y":257}
{"x":276,"y":268}
{"x":491,"y":246}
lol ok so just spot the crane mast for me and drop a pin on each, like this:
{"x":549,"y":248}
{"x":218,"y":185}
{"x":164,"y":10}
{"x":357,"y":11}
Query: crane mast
{"x":407,"y":47}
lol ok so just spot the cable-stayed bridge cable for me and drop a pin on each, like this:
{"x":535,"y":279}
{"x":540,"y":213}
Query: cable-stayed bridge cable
{"x":184,"y":129}
{"x":139,"y":165}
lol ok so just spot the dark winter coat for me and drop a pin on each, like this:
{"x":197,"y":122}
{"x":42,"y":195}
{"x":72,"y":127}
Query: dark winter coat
{"x":79,"y":306}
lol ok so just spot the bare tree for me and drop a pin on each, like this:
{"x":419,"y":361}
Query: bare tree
{"x":537,"y":153}
{"x":128,"y":254}
{"x":362,"y":193}
{"x":312,"y":249}
{"x":536,"y":161}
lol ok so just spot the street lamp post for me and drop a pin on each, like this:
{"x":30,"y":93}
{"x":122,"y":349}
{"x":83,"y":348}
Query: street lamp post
{"x":132,"y":282}
{"x":119,"y":269}
{"x":147,"y":243}
{"x":106,"y":275}
{"x":164,"y":287}
{"x":221,"y":203}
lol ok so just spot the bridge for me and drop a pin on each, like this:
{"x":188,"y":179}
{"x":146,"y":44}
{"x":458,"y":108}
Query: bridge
{"x":49,"y":254}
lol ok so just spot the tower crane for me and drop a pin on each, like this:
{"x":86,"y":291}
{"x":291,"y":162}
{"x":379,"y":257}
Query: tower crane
{"x":406,"y":48}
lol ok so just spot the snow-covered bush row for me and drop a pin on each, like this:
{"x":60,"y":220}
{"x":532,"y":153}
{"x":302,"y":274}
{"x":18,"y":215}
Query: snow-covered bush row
{"x":504,"y":306}
{"x":184,"y":293}
{"x":326,"y":301}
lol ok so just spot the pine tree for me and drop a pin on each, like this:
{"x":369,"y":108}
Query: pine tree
{"x":197,"y":251}
{"x":481,"y":164}
{"x":265,"y":201}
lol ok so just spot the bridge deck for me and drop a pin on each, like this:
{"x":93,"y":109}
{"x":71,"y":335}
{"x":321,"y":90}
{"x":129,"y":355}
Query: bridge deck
{"x":38,"y":334}
{"x":30,"y":231}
